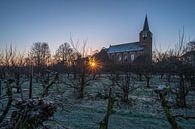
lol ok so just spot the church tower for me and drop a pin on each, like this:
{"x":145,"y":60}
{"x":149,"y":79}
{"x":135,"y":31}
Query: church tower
{"x":145,"y":38}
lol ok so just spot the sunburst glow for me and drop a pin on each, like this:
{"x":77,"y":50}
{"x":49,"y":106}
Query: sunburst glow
{"x":94,"y":64}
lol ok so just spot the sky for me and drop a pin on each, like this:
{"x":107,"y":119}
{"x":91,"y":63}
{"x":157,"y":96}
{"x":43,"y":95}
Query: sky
{"x":99,"y":22}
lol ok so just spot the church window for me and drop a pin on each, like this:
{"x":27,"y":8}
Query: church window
{"x":119,"y":58}
{"x":144,"y":35}
{"x":125,"y":58}
{"x":112,"y":57}
{"x":132,"y":57}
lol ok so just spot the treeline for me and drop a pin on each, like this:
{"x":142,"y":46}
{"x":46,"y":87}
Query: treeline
{"x":39,"y":63}
{"x":68,"y":59}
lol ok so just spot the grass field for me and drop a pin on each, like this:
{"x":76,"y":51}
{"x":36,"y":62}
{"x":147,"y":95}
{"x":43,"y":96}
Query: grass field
{"x":144,"y":111}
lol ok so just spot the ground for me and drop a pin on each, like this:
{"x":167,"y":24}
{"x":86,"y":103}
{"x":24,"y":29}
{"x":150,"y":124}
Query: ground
{"x":143,"y":112}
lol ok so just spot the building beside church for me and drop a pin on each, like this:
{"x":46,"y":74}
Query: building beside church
{"x":127,"y":53}
{"x":189,"y":55}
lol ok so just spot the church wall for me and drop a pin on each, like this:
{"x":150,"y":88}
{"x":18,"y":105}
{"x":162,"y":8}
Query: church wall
{"x":124,"y":57}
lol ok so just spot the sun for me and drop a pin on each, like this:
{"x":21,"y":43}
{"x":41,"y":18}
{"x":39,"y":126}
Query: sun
{"x":93,"y":64}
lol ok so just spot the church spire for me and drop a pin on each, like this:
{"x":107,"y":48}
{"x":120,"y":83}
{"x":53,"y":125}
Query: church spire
{"x":146,"y":27}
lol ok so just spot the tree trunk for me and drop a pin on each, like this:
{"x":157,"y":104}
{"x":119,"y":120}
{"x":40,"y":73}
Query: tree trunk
{"x":0,"y":89}
{"x":181,"y":97}
{"x":18,"y":82}
{"x":169,"y":78}
{"x":104,"y":122}
{"x":30,"y":86}
{"x":125,"y":96}
{"x":167,"y":112}
{"x":8,"y":106}
{"x":140,"y":77}
{"x":147,"y":81}
{"x":82,"y":85}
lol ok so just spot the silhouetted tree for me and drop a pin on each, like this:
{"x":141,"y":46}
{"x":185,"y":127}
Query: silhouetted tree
{"x":79,"y":67}
{"x":40,"y":54}
{"x":64,"y":54}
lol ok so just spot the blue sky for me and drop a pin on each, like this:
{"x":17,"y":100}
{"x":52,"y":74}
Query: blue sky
{"x":100,"y":22}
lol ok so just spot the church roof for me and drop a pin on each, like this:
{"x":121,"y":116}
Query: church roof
{"x":126,"y":47}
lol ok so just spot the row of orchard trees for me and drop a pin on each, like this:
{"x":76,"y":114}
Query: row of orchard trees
{"x":41,"y":65}
{"x":69,"y":59}
{"x":15,"y":69}
{"x":38,"y":56}
{"x":22,"y":67}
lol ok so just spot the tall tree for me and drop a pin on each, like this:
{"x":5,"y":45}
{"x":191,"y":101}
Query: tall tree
{"x":40,"y":54}
{"x":64,"y":54}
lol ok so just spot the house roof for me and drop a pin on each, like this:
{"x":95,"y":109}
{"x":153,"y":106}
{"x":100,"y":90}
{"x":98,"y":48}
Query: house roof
{"x":126,"y":47}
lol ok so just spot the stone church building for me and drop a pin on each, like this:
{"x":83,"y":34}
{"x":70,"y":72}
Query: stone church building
{"x":127,"y":53}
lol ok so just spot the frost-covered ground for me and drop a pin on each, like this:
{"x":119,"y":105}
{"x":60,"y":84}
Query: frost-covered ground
{"x":144,"y":111}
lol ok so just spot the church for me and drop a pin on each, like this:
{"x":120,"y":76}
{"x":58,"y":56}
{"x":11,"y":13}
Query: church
{"x":128,"y":53}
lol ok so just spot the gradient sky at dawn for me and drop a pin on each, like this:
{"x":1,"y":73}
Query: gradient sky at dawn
{"x":100,"y":22}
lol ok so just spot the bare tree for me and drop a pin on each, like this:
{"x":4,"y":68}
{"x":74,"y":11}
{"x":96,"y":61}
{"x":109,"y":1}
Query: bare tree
{"x":48,"y":82}
{"x":64,"y":54}
{"x":18,"y":68}
{"x":40,"y":54}
{"x":9,"y":102}
{"x":81,"y":68}
{"x":2,"y":68}
{"x":29,"y":66}
{"x":126,"y":84}
{"x":171,"y":64}
{"x":9,"y":60}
